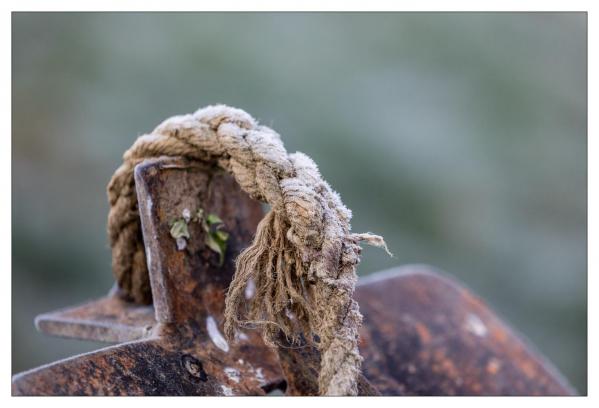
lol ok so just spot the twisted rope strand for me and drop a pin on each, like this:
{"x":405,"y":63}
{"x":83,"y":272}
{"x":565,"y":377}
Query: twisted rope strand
{"x":303,"y":258}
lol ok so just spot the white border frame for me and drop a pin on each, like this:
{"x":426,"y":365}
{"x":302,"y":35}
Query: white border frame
{"x":307,"y":5}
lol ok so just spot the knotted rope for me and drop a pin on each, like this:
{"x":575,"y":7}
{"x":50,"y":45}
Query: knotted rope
{"x":303,"y":258}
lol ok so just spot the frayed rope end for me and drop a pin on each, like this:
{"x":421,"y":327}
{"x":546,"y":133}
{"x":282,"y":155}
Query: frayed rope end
{"x":372,"y":240}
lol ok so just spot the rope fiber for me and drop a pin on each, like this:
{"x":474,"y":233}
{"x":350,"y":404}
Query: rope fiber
{"x":303,"y":258}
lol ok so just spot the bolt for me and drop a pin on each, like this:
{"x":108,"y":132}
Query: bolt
{"x":194,"y":367}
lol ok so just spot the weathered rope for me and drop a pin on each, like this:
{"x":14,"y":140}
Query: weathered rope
{"x":303,"y":258}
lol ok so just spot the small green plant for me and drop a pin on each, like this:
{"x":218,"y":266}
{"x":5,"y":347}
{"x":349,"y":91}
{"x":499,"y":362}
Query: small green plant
{"x":215,"y":237}
{"x":179,"y":229}
{"x":180,"y":232}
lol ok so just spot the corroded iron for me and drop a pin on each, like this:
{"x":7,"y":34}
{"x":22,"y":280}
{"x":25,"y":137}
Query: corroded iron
{"x":111,"y":319}
{"x":176,"y":346}
{"x":423,"y":333}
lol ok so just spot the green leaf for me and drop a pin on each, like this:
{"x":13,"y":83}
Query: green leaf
{"x":216,"y":238}
{"x":217,"y":245}
{"x":205,"y":226}
{"x":222,"y":235}
{"x":213,"y":219}
{"x":179,"y":229}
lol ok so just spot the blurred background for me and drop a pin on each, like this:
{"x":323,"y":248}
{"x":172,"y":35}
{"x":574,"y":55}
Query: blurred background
{"x":461,"y":138}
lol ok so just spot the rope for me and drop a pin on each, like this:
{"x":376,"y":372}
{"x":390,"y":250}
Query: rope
{"x":303,"y":258}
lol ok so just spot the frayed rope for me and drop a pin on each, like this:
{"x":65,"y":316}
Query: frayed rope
{"x":303,"y":258}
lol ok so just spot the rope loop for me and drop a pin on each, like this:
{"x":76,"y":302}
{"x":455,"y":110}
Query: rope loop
{"x":303,"y":258}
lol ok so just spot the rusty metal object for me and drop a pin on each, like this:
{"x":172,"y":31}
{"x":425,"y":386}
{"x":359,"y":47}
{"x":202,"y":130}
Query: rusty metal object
{"x":182,"y":351}
{"x":110,"y":319}
{"x":423,"y":333}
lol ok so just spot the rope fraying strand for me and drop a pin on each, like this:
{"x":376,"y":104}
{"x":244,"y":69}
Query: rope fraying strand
{"x":303,"y":259}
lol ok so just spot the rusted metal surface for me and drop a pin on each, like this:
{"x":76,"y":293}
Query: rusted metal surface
{"x":423,"y":333}
{"x":109,"y":319}
{"x":192,"y":276}
{"x":182,"y":350}
{"x":164,"y":366}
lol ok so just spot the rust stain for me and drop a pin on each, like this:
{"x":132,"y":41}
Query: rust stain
{"x":528,"y":369}
{"x":486,"y":359}
{"x":493,"y":366}
{"x":423,"y":333}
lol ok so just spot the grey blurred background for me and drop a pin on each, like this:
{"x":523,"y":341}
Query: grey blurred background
{"x":459,"y":137}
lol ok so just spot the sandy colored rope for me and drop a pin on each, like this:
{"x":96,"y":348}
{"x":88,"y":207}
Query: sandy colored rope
{"x":303,"y":258}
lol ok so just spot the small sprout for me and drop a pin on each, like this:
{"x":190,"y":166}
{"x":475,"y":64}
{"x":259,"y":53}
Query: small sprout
{"x":180,"y":233}
{"x":218,"y":245}
{"x":216,"y":238}
{"x":222,"y":235}
{"x":179,"y":229}
{"x":213,"y":219}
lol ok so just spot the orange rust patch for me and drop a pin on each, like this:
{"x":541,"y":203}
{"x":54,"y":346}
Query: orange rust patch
{"x":499,"y":334}
{"x":493,"y":366}
{"x":476,"y":388}
{"x":449,"y":368}
{"x":527,"y":368}
{"x":423,"y":333}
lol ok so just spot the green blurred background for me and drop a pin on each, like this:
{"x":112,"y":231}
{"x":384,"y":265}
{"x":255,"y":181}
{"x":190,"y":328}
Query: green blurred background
{"x":460,"y":137}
